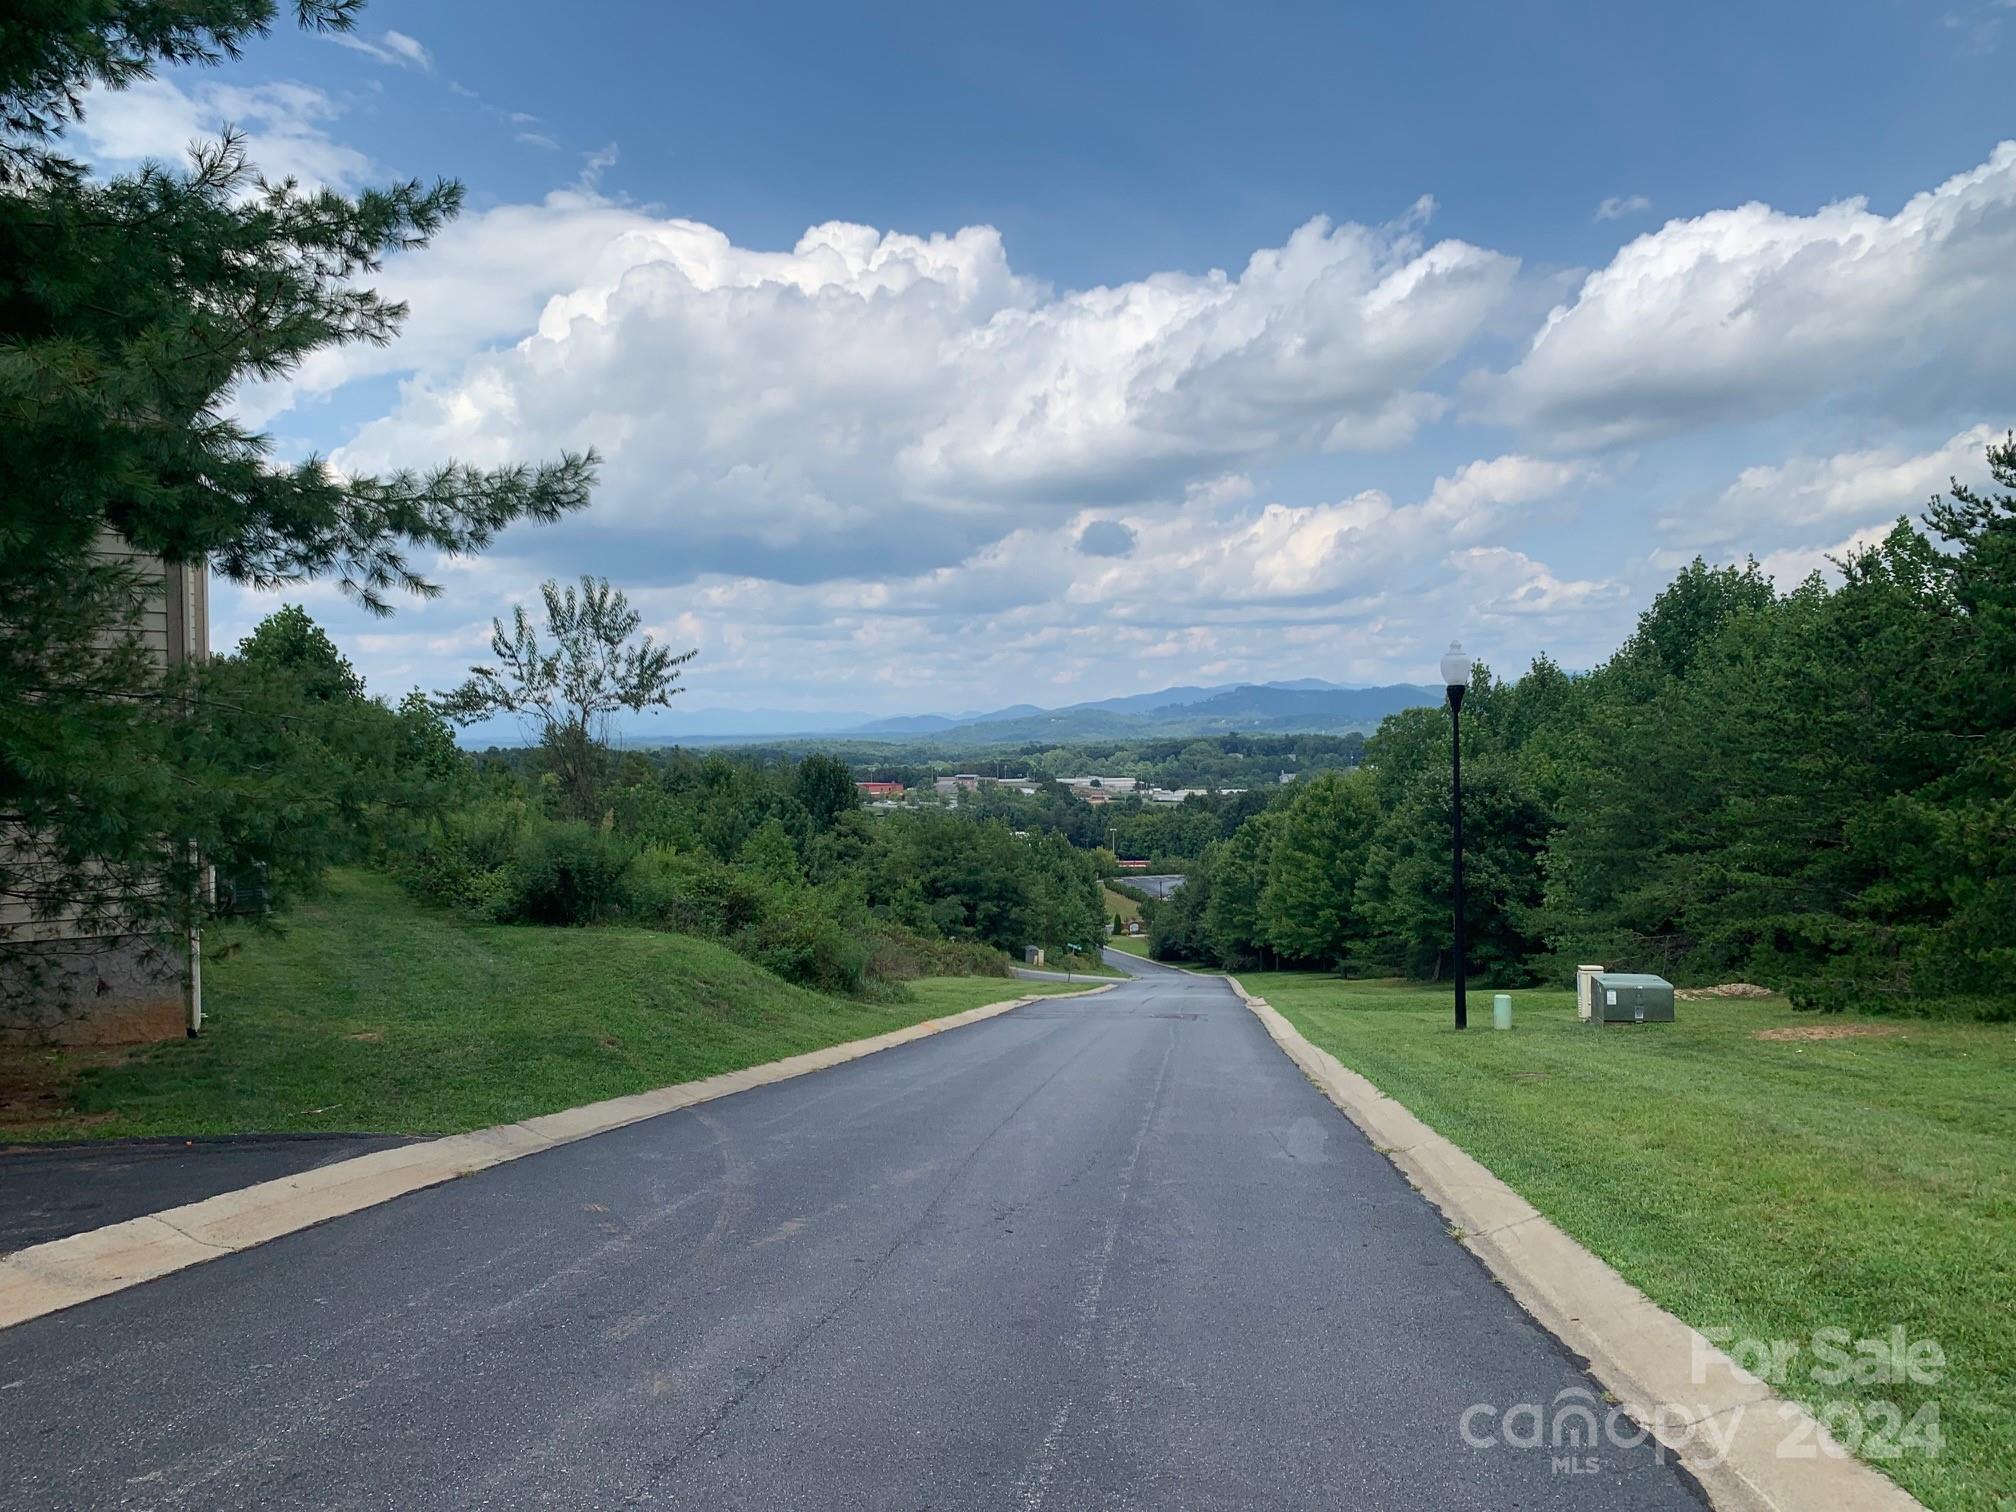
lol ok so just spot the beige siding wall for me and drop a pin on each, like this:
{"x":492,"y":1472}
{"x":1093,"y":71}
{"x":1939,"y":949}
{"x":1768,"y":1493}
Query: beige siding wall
{"x":176,"y":626}
{"x":88,"y":986}
{"x":167,"y":626}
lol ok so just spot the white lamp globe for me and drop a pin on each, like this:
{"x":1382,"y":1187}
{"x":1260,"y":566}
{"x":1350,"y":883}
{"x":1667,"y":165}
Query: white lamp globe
{"x":1455,"y":667}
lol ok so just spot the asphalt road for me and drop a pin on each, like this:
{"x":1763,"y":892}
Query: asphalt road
{"x":1111,"y":1252}
{"x":50,"y":1191}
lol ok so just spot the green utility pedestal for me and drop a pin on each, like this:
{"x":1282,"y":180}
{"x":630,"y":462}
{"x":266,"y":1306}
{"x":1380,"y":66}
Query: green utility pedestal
{"x":1624,"y":997}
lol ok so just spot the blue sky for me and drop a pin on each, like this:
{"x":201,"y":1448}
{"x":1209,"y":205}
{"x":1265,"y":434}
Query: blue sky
{"x":946,"y":358}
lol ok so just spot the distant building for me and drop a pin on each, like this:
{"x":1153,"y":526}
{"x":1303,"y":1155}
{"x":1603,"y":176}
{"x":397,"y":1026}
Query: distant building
{"x":1136,"y":866}
{"x":1111,"y":785}
{"x":1096,"y":789}
{"x":1176,"y":795}
{"x":880,"y":789}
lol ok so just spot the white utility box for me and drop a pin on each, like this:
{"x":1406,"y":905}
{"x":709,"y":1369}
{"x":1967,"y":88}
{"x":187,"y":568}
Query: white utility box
{"x":1585,"y":991}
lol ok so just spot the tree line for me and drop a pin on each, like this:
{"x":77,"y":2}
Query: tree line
{"x":1239,"y":760}
{"x":1814,"y":790}
{"x":775,"y":858}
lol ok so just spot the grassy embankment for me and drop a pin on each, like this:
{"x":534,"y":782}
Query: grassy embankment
{"x":371,"y":1014}
{"x":1084,"y":963}
{"x":1772,"y":1186}
{"x":1127,"y":908}
{"x":1121,"y":904}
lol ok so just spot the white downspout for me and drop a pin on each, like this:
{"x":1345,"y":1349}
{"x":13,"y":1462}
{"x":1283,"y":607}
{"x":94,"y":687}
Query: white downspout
{"x":195,"y":982}
{"x":196,"y":647}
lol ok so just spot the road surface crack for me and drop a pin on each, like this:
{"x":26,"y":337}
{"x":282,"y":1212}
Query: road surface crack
{"x":222,"y":1249}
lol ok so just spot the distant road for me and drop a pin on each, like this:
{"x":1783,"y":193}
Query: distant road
{"x":1107,"y":1252}
{"x":1044,"y":974}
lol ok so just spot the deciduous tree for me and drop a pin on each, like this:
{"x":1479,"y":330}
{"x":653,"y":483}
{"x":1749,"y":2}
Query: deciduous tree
{"x":1306,"y":907}
{"x":566,"y":687}
{"x":290,"y":644}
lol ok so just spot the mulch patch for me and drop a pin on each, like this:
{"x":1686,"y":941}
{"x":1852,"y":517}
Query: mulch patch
{"x":1829,"y":1032}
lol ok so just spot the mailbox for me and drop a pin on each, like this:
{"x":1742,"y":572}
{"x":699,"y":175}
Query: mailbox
{"x":1623,"y":997}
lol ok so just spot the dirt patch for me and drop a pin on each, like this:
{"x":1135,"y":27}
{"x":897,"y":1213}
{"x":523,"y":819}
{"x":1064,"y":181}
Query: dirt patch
{"x":1829,"y":1032}
{"x":35,"y":1086}
{"x":1726,"y":990}
{"x":368,"y":1037}
{"x":24,"y":1102}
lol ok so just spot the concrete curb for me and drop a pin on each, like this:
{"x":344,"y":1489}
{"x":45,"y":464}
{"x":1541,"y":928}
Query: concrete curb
{"x":46,"y":1278}
{"x":1724,"y":1424}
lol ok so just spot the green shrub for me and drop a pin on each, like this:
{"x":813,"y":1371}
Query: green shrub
{"x":655,"y":885}
{"x":465,"y":861}
{"x":502,"y":859}
{"x":794,"y":931}
{"x":567,"y":873}
{"x":1842,"y":993}
{"x":896,"y":954}
{"x":693,"y":893}
{"x":802,"y":942}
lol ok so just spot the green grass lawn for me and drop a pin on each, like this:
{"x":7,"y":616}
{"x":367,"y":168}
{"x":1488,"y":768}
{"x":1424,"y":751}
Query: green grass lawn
{"x":1082,"y":964}
{"x":939,"y":996}
{"x":1775,"y":1188}
{"x":1121,"y":904}
{"x":371,"y":1014}
{"x":1134,"y":945}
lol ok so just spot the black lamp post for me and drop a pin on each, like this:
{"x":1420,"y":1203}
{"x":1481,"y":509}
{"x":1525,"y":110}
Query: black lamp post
{"x":1456,"y":677}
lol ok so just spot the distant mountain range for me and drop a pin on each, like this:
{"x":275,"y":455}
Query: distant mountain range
{"x":1304,"y":706}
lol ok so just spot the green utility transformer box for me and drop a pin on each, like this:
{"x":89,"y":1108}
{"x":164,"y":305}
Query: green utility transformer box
{"x":1624,"y":997}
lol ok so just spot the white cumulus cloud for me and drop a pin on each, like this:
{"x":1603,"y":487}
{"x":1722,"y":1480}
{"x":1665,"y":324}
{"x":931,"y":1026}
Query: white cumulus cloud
{"x":1356,"y":589}
{"x":1752,"y":311}
{"x":1501,"y":583}
{"x":1794,"y":564}
{"x":1866,"y":487}
{"x":883,"y":389}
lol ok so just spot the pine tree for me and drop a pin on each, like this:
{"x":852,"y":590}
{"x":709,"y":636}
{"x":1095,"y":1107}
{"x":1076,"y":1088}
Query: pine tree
{"x":1972,"y":862}
{"x":132,"y":309}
